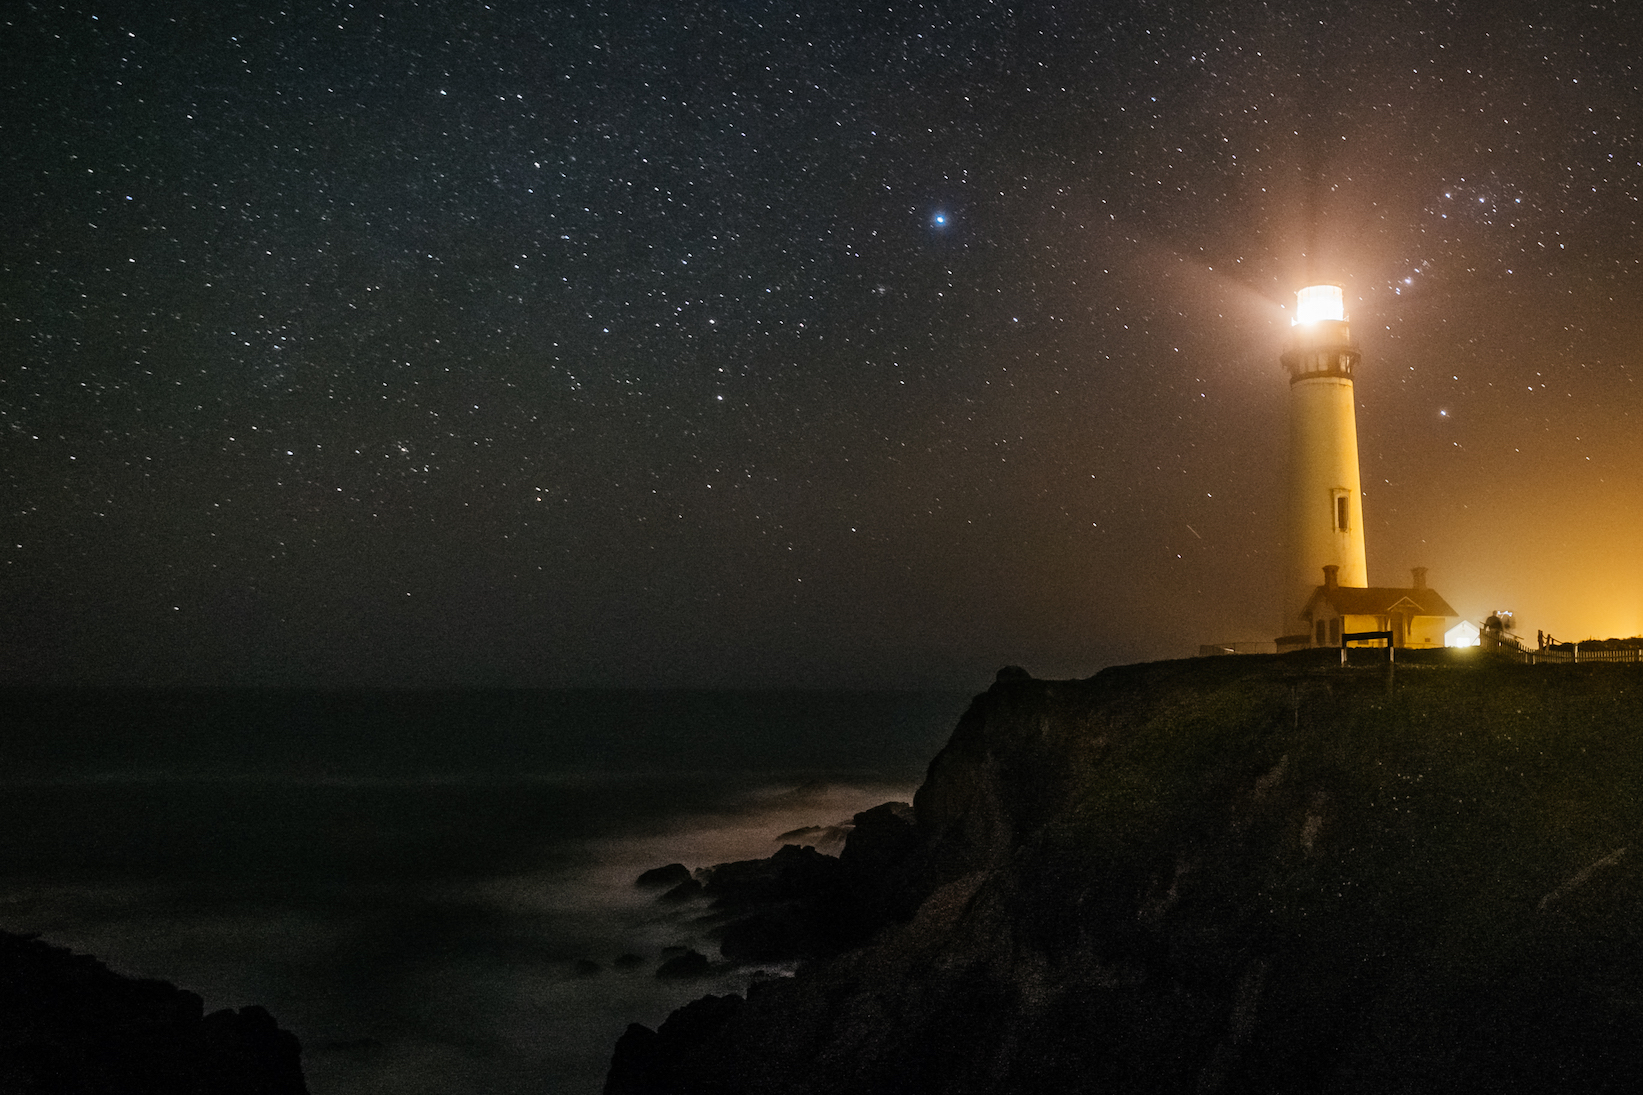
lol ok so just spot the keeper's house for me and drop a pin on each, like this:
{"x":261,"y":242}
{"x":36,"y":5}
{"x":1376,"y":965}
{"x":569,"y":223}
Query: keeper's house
{"x":1417,"y":616}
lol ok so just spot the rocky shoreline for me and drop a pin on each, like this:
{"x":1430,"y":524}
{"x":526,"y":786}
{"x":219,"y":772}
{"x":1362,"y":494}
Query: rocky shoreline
{"x":1221,"y":875}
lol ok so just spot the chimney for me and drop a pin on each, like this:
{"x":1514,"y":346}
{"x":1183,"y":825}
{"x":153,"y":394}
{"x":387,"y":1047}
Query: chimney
{"x":1419,"y":574}
{"x":1332,"y":576}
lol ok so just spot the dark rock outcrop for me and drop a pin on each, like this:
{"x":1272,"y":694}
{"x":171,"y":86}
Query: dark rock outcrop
{"x":800,"y":903}
{"x":1259,"y":874}
{"x":663,"y":878}
{"x":70,"y":1025}
{"x":787,"y":906}
{"x":684,"y":891}
{"x":874,"y":865}
{"x":686,"y":966}
{"x":645,"y":1058}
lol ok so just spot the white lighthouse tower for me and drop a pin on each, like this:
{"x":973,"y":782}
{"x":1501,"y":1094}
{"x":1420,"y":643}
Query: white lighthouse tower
{"x":1325,"y":498}
{"x":1326,"y":592}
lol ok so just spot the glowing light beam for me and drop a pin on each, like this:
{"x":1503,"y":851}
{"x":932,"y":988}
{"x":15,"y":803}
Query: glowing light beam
{"x":1319,"y":302}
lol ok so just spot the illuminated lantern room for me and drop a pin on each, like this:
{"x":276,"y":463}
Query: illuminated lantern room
{"x":1321,"y":340}
{"x":1317,"y":302}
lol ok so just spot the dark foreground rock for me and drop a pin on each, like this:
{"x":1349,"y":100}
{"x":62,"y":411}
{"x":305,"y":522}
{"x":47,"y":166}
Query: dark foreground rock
{"x":1224,"y":875}
{"x":643,"y":1055}
{"x":70,"y":1026}
{"x":684,"y":966}
{"x":802,"y":904}
{"x":663,"y":878}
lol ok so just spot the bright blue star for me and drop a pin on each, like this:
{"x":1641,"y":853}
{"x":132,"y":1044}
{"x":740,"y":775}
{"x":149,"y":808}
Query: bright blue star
{"x":939,"y":220}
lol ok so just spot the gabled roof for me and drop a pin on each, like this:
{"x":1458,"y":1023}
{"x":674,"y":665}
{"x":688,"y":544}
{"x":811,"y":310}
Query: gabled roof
{"x":1379,"y":601}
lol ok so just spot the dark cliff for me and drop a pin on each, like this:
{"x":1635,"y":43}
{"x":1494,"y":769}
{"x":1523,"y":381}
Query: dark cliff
{"x":1230,"y":875}
{"x":70,"y":1026}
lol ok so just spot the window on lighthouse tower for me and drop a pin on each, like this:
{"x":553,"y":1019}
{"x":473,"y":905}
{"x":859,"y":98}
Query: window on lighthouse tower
{"x":1342,"y":510}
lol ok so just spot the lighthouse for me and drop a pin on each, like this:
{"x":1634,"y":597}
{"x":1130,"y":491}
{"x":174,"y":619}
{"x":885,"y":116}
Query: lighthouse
{"x":1326,"y":590}
{"x":1325,"y":499}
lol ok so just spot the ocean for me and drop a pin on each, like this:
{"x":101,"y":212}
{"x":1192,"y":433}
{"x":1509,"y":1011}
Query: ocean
{"x":431,"y":889}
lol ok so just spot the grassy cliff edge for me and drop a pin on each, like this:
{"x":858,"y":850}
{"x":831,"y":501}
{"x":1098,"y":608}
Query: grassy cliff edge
{"x":1235,"y":874}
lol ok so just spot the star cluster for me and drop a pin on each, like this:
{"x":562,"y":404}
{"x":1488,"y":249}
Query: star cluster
{"x":773,"y":343}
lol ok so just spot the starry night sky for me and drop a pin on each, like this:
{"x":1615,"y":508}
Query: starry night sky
{"x":773,"y":343}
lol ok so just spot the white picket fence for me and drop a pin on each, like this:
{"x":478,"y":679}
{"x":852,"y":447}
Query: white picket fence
{"x":1575,"y":656}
